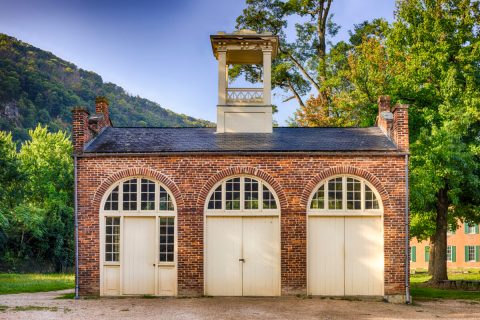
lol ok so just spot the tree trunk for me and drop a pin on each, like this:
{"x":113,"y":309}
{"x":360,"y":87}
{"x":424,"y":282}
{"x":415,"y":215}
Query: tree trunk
{"x":432,"y":254}
{"x":322,"y":16}
{"x":439,"y":260}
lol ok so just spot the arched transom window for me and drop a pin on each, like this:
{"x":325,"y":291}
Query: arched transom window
{"x":347,"y":194}
{"x":133,"y":197}
{"x":139,"y":195}
{"x":242,"y":194}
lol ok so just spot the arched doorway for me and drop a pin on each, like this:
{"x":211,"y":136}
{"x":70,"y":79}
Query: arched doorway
{"x":345,"y":238}
{"x":138,"y":239}
{"x":242,"y":238}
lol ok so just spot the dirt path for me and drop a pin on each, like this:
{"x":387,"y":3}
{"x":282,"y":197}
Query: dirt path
{"x":45,"y":306}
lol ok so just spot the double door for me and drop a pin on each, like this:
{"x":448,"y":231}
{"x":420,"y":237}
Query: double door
{"x":242,"y":256}
{"x":345,"y":256}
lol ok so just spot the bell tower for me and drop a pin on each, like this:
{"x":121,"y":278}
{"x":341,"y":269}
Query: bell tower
{"x":244,"y":109}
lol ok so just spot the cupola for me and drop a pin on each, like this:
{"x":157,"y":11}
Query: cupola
{"x":244,"y":109}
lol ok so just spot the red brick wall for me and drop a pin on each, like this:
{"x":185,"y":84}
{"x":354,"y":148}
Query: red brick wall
{"x":293,"y":177}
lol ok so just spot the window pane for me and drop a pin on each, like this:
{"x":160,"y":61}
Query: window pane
{"x":147,"y":195}
{"x":251,"y":194}
{"x":449,"y":253}
{"x":215,"y":202}
{"x":371,"y":201}
{"x":470,"y":226}
{"x":112,"y":239}
{"x":335,"y":193}
{"x":471,"y":253}
{"x":268,"y":199}
{"x":353,"y":194}
{"x":232,"y":194}
{"x":318,"y":200}
{"x":166,"y":203}
{"x":112,"y":200}
{"x":130,"y":195}
{"x":167,"y":239}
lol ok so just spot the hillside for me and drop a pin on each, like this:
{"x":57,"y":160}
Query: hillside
{"x":38,"y":87}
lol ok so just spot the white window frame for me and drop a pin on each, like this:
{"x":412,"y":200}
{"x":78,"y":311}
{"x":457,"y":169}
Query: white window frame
{"x":344,"y":211}
{"x":242,"y":211}
{"x":470,"y":252}
{"x":157,"y":213}
{"x":449,"y":253}
{"x":471,"y":227}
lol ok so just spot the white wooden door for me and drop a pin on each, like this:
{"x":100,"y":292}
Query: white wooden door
{"x":261,"y":252}
{"x":223,"y":250}
{"x":138,"y":255}
{"x":345,"y":256}
{"x":326,"y":256}
{"x":242,"y":256}
{"x":363,"y":256}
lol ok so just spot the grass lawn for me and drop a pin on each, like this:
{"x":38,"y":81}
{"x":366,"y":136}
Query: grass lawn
{"x":33,"y":282}
{"x":420,"y":290}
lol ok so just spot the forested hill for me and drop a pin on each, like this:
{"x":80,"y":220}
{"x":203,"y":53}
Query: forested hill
{"x":38,"y":87}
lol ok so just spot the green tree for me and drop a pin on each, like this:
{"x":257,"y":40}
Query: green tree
{"x":435,"y":44}
{"x":358,"y":72}
{"x":301,"y":65}
{"x":333,"y":87}
{"x":10,"y":181}
{"x":46,"y":160}
{"x":9,"y":171}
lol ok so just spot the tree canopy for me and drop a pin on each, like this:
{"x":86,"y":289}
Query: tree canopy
{"x":436,"y":46}
{"x":36,"y":203}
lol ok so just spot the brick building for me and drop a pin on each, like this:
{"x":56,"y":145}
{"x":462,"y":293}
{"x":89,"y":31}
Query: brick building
{"x":243,"y":209}
{"x":463,"y":249}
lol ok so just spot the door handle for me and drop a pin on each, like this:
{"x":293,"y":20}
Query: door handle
{"x":241,"y":259}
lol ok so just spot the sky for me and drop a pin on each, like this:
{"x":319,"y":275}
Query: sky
{"x":159,"y":50}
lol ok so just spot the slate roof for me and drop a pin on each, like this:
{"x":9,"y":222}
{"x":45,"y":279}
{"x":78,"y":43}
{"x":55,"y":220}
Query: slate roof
{"x":206,"y":140}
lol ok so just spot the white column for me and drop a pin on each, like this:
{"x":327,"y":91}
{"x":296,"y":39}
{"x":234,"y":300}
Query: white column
{"x":267,"y":77}
{"x":222,"y":77}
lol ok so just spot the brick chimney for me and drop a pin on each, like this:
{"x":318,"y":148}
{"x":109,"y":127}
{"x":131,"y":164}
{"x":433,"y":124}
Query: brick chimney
{"x":101,"y":118}
{"x":101,"y":107}
{"x":86,"y":127}
{"x":400,"y":127}
{"x":81,"y":133}
{"x":385,"y":117}
{"x":393,"y":124}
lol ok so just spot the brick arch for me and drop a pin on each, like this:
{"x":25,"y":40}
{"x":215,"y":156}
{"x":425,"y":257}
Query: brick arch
{"x":309,"y":188}
{"x":146,"y":172}
{"x":219,"y":176}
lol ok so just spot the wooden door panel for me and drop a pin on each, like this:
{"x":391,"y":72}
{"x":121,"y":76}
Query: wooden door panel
{"x":139,"y":255}
{"x":223,"y":245}
{"x":364,"y":256}
{"x":326,"y":256}
{"x":261,"y":251}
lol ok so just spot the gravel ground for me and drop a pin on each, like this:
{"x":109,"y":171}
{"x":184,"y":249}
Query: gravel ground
{"x":45,"y":306}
